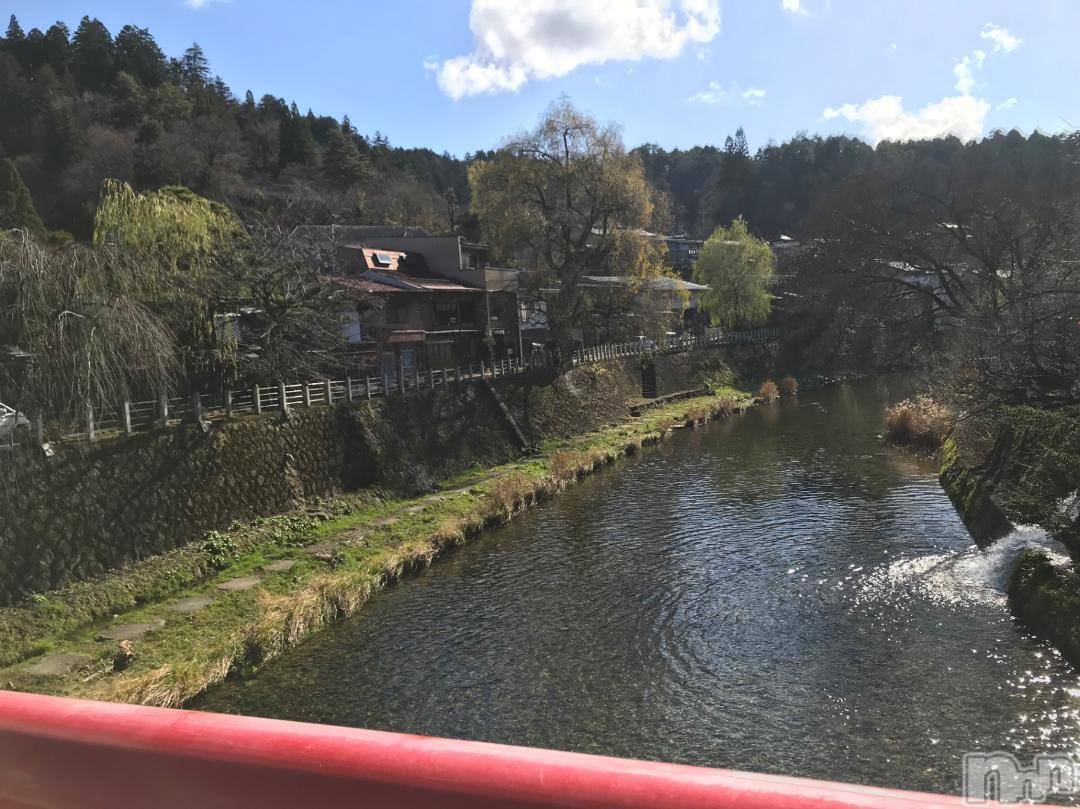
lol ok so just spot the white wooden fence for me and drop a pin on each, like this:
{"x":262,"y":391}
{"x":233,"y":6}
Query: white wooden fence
{"x":131,"y":417}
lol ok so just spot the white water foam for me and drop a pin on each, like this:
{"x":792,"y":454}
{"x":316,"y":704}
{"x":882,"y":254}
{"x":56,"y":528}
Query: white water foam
{"x":970,"y":577}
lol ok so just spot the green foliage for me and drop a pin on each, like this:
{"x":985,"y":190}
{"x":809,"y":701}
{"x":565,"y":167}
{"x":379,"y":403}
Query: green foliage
{"x":16,"y":206}
{"x":220,"y":549}
{"x":738,"y":268}
{"x":172,"y":223}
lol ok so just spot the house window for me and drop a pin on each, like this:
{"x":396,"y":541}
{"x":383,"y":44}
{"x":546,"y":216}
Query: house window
{"x":408,"y":359}
{"x":446,"y":314}
{"x":397,"y":312}
{"x":382,"y":259}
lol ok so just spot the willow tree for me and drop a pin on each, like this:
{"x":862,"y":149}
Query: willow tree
{"x":564,"y":202}
{"x":739,"y":269}
{"x":179,"y":239}
{"x":85,"y":339}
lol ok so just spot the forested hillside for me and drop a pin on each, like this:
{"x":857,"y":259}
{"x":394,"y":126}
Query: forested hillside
{"x":79,"y":107}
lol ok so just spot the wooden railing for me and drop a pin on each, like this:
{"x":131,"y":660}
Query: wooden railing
{"x":129,"y":417}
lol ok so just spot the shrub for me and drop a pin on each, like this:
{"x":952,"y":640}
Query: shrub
{"x":768,"y":392}
{"x":220,"y":550}
{"x":789,"y":386}
{"x":919,"y":422}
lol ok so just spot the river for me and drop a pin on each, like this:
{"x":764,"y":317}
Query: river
{"x":781,"y":592}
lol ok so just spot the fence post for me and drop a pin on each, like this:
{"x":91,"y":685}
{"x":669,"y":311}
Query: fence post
{"x":481,"y":369}
{"x":329,"y":393}
{"x":257,"y":400}
{"x":196,"y":407}
{"x":416,"y":377}
{"x":367,"y":385}
{"x":307,"y":394}
{"x":163,"y":410}
{"x":431,"y":377}
{"x":91,"y":432}
{"x":126,"y":408}
{"x":348,"y":388}
{"x":283,"y":399}
{"x":228,"y":403}
{"x":39,"y":429}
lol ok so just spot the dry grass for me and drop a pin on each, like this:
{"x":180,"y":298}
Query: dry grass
{"x":789,"y":386}
{"x":511,"y":492}
{"x":768,"y":392}
{"x":919,"y":422}
{"x":566,"y":465}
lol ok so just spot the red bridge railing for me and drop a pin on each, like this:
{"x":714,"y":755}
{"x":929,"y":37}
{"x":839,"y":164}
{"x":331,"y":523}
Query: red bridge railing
{"x":67,"y":753}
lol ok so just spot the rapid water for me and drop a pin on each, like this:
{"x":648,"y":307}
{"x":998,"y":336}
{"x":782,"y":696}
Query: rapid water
{"x":782,"y":592}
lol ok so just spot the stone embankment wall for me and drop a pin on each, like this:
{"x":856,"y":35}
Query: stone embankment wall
{"x":95,"y":507}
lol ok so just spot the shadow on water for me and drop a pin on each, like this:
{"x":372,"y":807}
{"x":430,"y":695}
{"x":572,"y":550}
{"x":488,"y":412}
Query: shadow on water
{"x":782,"y":592}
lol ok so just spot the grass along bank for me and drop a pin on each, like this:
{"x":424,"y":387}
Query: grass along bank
{"x":278,"y":581}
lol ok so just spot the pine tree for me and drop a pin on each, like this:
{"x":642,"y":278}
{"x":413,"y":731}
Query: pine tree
{"x":57,"y":48}
{"x":16,"y":205}
{"x":14,"y":33}
{"x":61,"y":139}
{"x":93,"y":55}
{"x":342,"y":164}
{"x":297,"y":144}
{"x":139,"y":55}
{"x":194,"y":68}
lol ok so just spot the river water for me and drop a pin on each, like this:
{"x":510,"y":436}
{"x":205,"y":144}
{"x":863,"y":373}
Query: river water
{"x":781,"y":592}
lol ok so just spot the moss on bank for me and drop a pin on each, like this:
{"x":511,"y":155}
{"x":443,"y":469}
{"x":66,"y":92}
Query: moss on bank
{"x":1046,"y":599}
{"x":1023,"y":467}
{"x":340,"y":558}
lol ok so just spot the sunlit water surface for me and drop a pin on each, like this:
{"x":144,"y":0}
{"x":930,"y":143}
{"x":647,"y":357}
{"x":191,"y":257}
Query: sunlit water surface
{"x":782,"y":592}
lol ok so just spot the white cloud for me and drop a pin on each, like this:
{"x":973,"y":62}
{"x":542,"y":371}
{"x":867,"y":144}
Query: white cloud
{"x":520,"y":40}
{"x":1002,"y":39}
{"x":1007,"y":104}
{"x":893,"y":47}
{"x":712,"y":94}
{"x":200,"y":4}
{"x":754,"y":96}
{"x":794,"y":6}
{"x":885,"y":118}
{"x":965,"y":71}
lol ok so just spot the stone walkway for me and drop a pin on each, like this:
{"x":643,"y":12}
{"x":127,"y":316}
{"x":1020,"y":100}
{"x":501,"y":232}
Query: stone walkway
{"x":61,"y":663}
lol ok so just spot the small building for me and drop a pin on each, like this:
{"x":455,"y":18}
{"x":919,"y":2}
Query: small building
{"x":420,"y":320}
{"x":683,"y":253}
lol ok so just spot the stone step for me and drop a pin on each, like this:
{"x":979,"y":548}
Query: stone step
{"x":130,"y":631}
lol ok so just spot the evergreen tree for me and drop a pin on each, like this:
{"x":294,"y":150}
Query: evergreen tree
{"x":297,"y":145}
{"x":14,"y":36}
{"x":342,"y":164}
{"x":130,"y":101}
{"x":16,"y":205}
{"x":57,"y":48}
{"x":194,"y":69}
{"x":139,"y":55}
{"x":93,"y":56}
{"x":61,"y":140}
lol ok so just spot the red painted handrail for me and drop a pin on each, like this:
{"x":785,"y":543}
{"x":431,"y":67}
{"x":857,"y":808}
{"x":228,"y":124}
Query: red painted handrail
{"x":70,"y":753}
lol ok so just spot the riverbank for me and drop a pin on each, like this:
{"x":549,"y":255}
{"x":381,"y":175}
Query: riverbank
{"x":1022,"y":466}
{"x":278,"y":581}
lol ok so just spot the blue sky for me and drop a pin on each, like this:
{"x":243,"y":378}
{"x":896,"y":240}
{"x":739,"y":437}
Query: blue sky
{"x":459,"y":75}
